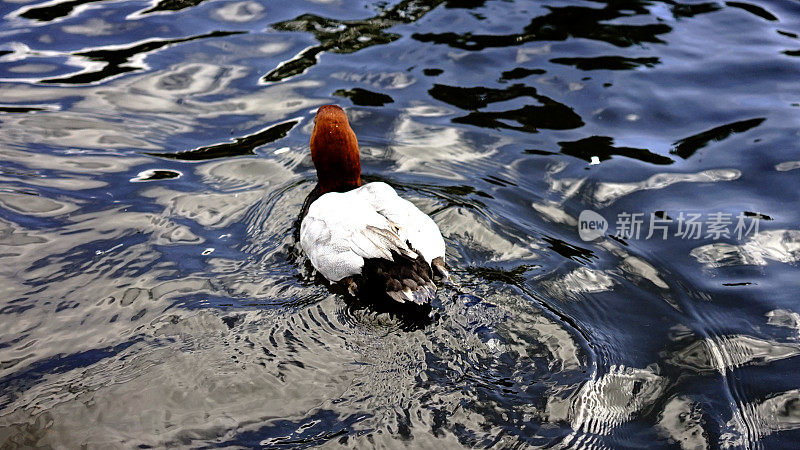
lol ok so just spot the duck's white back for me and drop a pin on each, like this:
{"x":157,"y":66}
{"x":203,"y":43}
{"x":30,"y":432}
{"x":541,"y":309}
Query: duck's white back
{"x":341,"y":230}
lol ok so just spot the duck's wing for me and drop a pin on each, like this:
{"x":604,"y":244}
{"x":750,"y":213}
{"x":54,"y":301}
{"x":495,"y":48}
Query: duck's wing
{"x":414,"y":227}
{"x":341,"y":230}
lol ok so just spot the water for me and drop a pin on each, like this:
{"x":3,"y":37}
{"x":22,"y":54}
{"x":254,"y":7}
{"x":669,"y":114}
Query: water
{"x":155,"y":158}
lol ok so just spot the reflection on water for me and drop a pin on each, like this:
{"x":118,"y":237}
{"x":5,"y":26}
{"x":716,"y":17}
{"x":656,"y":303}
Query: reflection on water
{"x":612,"y":399}
{"x":607,"y":193}
{"x":728,"y":352}
{"x":346,"y":36}
{"x":682,"y":423}
{"x":155,"y":158}
{"x":775,"y":245}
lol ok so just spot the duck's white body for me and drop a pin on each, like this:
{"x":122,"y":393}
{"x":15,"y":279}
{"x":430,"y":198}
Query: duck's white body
{"x":342,"y":230}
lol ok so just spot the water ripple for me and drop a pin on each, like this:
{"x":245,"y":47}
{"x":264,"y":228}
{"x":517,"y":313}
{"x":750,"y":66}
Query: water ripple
{"x":155,"y":159}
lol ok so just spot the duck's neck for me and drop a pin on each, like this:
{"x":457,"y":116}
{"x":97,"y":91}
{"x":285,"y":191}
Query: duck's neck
{"x":324,"y":188}
{"x":334,"y":150}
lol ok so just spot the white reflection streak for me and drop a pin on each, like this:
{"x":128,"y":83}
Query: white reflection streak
{"x":424,"y":148}
{"x":777,"y":413}
{"x":724,"y":353}
{"x":788,"y":165}
{"x":607,"y":193}
{"x":239,"y":12}
{"x":382,"y":80}
{"x":606,"y":402}
{"x":157,"y":104}
{"x":681,"y":421}
{"x":775,"y":245}
{"x":784,"y":318}
{"x":580,"y":280}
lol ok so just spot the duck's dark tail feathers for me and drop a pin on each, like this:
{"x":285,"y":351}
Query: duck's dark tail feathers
{"x":404,"y":280}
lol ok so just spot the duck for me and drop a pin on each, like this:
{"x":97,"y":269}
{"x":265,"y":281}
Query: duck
{"x":364,"y":236}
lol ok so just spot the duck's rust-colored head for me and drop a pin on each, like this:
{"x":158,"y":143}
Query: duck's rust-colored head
{"x":334,"y":150}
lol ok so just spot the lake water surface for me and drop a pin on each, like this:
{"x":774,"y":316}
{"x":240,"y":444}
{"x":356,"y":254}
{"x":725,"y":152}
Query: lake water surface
{"x":154,"y":158}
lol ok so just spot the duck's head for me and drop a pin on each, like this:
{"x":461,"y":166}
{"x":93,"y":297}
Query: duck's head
{"x":334,"y":150}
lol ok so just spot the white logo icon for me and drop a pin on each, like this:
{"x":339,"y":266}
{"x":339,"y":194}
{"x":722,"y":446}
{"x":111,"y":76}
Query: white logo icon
{"x":591,"y":225}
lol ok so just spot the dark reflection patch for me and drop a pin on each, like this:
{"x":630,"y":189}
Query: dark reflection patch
{"x":520,"y":72}
{"x":479,"y":97}
{"x":607,"y":62}
{"x":465,"y":4}
{"x":753,"y":9}
{"x":21,"y":109}
{"x":760,"y":216}
{"x":515,"y":276}
{"x":432,"y":72}
{"x":560,"y":24}
{"x":345,"y":36}
{"x":54,"y":11}
{"x":687,"y":146}
{"x":691,"y":10}
{"x":548,"y":114}
{"x":118,"y":60}
{"x":534,"y":151}
{"x":173,"y":5}
{"x":570,"y":251}
{"x":239,"y":147}
{"x":363,"y":97}
{"x":603,"y":148}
